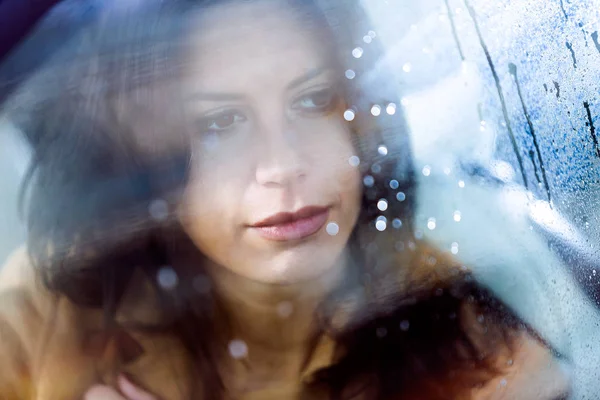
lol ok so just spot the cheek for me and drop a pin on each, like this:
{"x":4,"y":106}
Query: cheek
{"x":209,"y":207}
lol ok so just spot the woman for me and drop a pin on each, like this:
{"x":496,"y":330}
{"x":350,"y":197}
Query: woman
{"x":215,"y":216}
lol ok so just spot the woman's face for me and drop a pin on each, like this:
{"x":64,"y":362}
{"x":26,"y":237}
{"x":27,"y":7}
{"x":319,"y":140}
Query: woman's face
{"x":272,"y":195}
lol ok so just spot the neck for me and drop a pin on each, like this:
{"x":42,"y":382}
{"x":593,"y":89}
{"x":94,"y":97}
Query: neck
{"x":274,"y":321}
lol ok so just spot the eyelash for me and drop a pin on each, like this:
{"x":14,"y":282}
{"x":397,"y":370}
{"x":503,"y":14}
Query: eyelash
{"x":210,"y":123}
{"x":331,"y":101}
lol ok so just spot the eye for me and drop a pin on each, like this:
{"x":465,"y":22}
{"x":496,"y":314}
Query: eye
{"x":222,"y":121}
{"x":316,"y":101}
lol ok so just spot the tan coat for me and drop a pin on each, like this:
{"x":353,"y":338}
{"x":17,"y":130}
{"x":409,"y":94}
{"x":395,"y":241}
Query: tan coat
{"x":48,"y":351}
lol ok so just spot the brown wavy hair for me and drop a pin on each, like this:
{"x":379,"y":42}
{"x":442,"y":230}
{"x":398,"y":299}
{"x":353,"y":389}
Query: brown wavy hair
{"x":401,"y":320}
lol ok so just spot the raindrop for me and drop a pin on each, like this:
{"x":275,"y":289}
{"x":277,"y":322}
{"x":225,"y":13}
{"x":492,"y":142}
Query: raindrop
{"x":367,"y":39}
{"x":349,"y":115}
{"x":503,"y":382}
{"x":404,"y":325}
{"x":350,"y":74}
{"x":454,"y":248}
{"x":354,"y":161}
{"x":418,"y":235}
{"x":461,"y":184}
{"x":376,"y":110}
{"x":431,"y":224}
{"x":391,"y":109}
{"x":381,"y":225}
{"x":447,"y":171}
{"x":372,"y":34}
{"x":357,"y":52}
{"x":376,"y":168}
{"x":382,"y":205}
{"x":381,"y":332}
{"x":426,"y":170}
{"x":383,"y":150}
{"x":238,"y":349}
{"x":285,"y":309}
{"x":369,"y":181}
{"x":404,"y":101}
{"x":411,"y":245}
{"x":167,"y":278}
{"x":480,"y":319}
{"x":400,"y":196}
{"x":397,"y":223}
{"x":407,"y":67}
{"x":457,"y":216}
{"x":159,"y":210}
{"x":394,"y":184}
{"x":332,"y":229}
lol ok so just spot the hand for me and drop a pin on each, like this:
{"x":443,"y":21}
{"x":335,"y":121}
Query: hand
{"x":128,"y":392}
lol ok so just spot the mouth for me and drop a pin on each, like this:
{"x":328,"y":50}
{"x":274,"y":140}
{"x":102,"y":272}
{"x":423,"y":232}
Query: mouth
{"x":292,"y":226}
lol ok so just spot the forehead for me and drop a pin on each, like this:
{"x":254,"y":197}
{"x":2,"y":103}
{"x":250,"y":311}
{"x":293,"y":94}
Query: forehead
{"x":235,"y":44}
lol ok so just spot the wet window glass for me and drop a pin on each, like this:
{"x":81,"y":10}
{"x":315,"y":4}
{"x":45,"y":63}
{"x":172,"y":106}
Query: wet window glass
{"x":324,"y":199}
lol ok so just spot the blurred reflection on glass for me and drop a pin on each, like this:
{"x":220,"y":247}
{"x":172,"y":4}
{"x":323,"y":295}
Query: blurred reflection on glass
{"x":223,"y":204}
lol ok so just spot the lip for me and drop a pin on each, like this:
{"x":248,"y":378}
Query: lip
{"x":292,"y":226}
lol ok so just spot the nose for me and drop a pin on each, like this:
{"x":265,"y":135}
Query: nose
{"x":281,"y":162}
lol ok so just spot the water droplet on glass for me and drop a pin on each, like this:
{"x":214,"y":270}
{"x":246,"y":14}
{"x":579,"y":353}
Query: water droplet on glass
{"x":431,"y":224}
{"x":381,"y":332}
{"x":461,"y":184}
{"x":503,"y":382}
{"x":376,"y":110}
{"x":447,"y":171}
{"x":159,"y":210}
{"x":354,"y":161}
{"x":368,"y":181}
{"x":376,"y":168}
{"x":480,"y":319}
{"x":509,"y":362}
{"x":411,"y":245}
{"x":383,"y":150}
{"x":404,"y":325}
{"x":400,"y":196}
{"x":381,"y":225}
{"x":397,"y":223}
{"x":350,"y":74}
{"x":382,"y":204}
{"x":285,"y":309}
{"x":426,"y":170}
{"x":332,"y":229}
{"x":407,"y":67}
{"x":349,"y":115}
{"x":357,"y":52}
{"x":457,"y":216}
{"x":238,"y":349}
{"x":454,"y":248}
{"x":367,"y":39}
{"x":399,"y":246}
{"x":167,"y":278}
{"x":404,"y":101}
{"x":394,"y":184}
{"x":372,"y":34}
{"x":391,"y":109}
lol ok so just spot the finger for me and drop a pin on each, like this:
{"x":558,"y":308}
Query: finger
{"x":101,"y":392}
{"x":131,"y":391}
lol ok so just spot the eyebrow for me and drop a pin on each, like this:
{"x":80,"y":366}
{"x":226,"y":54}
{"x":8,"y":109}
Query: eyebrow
{"x":217,"y":96}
